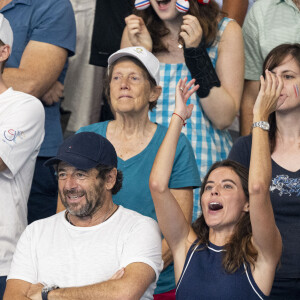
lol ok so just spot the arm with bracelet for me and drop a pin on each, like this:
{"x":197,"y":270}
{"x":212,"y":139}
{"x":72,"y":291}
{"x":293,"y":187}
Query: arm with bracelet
{"x":166,"y":206}
{"x":265,"y":234}
{"x":220,"y":88}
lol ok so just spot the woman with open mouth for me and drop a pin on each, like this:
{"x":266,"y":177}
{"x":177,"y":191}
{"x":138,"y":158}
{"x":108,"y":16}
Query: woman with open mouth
{"x":231,"y":251}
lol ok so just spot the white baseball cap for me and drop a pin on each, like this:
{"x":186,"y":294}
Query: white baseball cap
{"x":6,"y":34}
{"x":149,"y":61}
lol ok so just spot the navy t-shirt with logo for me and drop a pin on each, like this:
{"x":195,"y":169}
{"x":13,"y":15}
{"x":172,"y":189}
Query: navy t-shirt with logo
{"x":285,"y":198}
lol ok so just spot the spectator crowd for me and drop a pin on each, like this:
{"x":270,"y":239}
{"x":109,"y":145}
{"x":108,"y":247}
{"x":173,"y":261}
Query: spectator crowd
{"x":150,"y":149}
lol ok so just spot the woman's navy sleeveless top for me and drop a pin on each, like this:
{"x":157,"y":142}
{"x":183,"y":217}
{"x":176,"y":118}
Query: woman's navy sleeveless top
{"x":204,"y":277}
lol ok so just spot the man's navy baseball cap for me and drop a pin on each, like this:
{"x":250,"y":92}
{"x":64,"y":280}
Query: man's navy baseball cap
{"x":85,"y":150}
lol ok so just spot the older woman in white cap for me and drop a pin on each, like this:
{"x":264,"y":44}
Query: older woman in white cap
{"x":132,"y":89}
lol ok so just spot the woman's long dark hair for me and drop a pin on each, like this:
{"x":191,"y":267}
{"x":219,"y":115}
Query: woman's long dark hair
{"x":207,"y":14}
{"x":273,"y":60}
{"x":240,"y":248}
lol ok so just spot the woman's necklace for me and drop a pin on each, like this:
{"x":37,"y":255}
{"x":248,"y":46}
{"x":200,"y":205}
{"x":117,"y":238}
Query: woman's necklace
{"x":175,"y":40}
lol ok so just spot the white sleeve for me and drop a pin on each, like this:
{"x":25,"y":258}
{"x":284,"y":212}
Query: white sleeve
{"x":23,"y":265}
{"x":21,"y":134}
{"x":143,"y":244}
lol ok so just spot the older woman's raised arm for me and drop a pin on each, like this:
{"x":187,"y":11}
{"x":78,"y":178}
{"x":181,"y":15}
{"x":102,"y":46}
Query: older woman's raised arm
{"x":266,"y":236}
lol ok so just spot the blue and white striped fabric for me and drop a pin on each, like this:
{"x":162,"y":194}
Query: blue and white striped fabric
{"x":209,"y":144}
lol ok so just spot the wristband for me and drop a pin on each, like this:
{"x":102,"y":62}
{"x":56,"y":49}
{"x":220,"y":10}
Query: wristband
{"x":183,"y":121}
{"x":46,"y":290}
{"x":262,"y":124}
{"x":202,"y":69}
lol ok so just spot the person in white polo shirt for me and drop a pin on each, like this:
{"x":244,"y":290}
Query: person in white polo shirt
{"x":22,"y":120}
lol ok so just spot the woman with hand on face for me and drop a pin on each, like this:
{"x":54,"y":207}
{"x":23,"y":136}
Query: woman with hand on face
{"x":284,"y":138}
{"x":233,"y":248}
{"x":200,"y":44}
{"x":132,"y":89}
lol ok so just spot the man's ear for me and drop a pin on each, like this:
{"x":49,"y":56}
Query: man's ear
{"x":155,"y":93}
{"x":110,"y":179}
{"x":4,"y":52}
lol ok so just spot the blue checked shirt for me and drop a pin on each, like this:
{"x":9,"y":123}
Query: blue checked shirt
{"x":209,"y":144}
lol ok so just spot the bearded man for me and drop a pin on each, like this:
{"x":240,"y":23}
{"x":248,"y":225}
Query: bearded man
{"x":94,"y":249}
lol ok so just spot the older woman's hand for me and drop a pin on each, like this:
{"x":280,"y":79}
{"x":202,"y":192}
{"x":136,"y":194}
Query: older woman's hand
{"x":268,"y":100}
{"x":191,"y":31}
{"x":183,"y":93}
{"x":138,"y":33}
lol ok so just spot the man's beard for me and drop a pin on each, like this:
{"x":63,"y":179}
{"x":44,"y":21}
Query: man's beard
{"x":89,"y":207}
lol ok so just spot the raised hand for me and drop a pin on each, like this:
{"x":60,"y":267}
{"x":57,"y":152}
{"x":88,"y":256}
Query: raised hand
{"x":268,"y":100}
{"x":184,"y":91}
{"x":191,"y":31}
{"x":138,"y":33}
